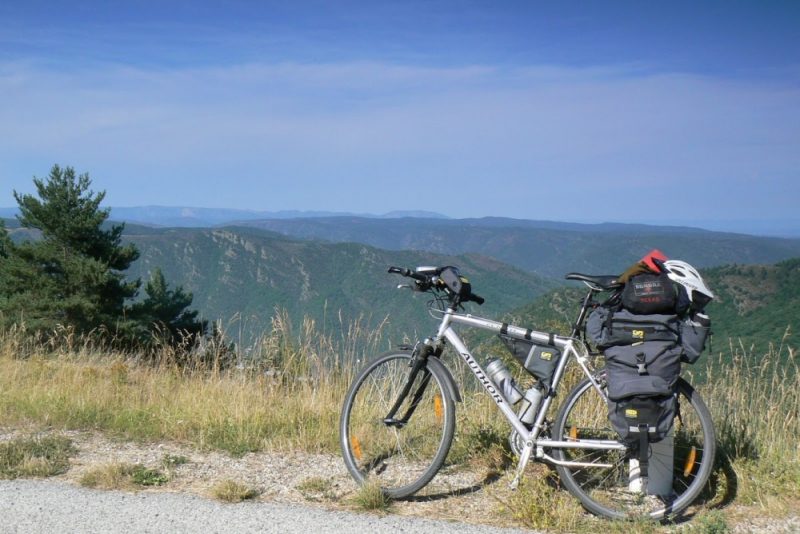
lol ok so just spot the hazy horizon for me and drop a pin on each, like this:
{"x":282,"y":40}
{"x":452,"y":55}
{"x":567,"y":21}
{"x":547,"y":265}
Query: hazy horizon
{"x":787,"y":227}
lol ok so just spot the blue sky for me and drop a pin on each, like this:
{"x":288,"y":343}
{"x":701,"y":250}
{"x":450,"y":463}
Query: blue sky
{"x":627,"y":111}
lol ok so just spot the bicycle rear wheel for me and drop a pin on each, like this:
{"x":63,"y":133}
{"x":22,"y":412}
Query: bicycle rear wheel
{"x":608,"y":491}
{"x":401,"y":458}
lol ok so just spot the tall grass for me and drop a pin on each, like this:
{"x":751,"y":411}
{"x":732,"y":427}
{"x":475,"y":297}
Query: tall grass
{"x":285,"y":391}
{"x":754,"y":399}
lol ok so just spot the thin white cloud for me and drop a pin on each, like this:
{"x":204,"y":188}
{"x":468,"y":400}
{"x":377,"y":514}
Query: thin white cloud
{"x":302,"y":133}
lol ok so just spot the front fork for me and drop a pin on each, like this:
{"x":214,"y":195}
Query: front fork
{"x":418,"y":363}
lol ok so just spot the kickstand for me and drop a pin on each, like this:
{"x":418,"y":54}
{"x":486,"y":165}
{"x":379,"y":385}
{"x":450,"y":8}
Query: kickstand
{"x":523,"y":463}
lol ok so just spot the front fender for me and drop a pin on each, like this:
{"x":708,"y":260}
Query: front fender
{"x":449,"y":382}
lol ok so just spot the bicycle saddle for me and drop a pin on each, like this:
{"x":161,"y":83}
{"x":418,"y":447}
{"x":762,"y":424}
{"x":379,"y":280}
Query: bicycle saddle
{"x":605,"y":282}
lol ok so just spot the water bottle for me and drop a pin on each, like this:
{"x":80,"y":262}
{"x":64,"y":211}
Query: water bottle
{"x":528,"y":409}
{"x":498,"y":373}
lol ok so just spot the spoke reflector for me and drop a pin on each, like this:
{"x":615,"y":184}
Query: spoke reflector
{"x":356,"y":446}
{"x":438,"y":408}
{"x":573,"y":432}
{"x":691,"y":458}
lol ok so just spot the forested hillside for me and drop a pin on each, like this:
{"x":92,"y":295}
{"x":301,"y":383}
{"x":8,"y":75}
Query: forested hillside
{"x":758,"y":304}
{"x":248,"y":273}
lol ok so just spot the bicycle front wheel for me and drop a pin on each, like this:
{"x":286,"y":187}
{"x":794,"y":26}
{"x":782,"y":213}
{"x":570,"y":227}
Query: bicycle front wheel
{"x":610,"y":490}
{"x":402,"y":458}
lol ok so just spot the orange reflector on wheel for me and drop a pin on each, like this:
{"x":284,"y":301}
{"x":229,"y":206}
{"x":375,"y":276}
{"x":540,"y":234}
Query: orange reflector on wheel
{"x":356,"y":446}
{"x":438,"y":408}
{"x":690,"y":461}
{"x":573,"y":432}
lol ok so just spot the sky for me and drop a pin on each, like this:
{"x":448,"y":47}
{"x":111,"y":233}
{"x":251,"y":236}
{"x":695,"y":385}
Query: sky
{"x":576,"y":111}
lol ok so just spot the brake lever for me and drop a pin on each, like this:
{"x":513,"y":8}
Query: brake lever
{"x":404,"y":286}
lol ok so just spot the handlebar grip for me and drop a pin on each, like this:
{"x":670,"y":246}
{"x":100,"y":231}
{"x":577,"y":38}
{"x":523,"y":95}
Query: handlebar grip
{"x":477,"y":299}
{"x":409,"y":273}
{"x":402,"y":271}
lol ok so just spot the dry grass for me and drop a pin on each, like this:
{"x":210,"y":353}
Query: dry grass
{"x":540,"y":503}
{"x":108,"y":476}
{"x":317,"y":489}
{"x":286,"y":394}
{"x":370,"y":497}
{"x":233,"y":410}
{"x":233,"y":492}
{"x":35,"y":457}
{"x":122,"y":476}
{"x":755,"y":403}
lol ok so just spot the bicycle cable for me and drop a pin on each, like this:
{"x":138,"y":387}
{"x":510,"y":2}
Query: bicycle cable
{"x":437,"y":306}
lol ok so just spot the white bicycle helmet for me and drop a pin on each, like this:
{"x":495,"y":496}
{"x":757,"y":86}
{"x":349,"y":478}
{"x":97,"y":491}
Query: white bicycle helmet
{"x":684,"y":274}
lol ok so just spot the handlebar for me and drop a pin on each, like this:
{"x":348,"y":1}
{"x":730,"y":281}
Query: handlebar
{"x":430,"y":280}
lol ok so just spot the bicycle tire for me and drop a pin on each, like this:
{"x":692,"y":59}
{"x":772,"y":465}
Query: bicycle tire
{"x":402,"y":459}
{"x":605,"y":491}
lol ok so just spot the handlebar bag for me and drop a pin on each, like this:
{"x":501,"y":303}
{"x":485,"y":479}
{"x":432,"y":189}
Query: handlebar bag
{"x":538,"y":360}
{"x":641,"y":382}
{"x":606,"y":327}
{"x":456,"y":283}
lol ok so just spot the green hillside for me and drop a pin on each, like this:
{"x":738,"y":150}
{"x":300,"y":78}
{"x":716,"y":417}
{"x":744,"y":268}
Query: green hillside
{"x":547,"y":248}
{"x":248,"y":273}
{"x":754,"y":304}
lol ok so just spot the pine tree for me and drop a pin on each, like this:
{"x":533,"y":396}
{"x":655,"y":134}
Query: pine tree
{"x":5,"y":251}
{"x":74,"y":275}
{"x":5,"y":241}
{"x":166,"y":311}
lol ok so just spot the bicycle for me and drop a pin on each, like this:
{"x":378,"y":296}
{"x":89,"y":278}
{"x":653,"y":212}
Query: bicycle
{"x":398,"y":418}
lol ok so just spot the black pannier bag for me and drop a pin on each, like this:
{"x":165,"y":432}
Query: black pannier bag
{"x":694,"y":331}
{"x":649,"y":293}
{"x":641,"y":382}
{"x":607,"y":328}
{"x":538,"y":360}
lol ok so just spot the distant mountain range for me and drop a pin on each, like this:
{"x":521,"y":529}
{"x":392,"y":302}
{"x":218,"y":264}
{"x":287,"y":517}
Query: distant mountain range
{"x":186,"y":217}
{"x":192,"y":217}
{"x":548,"y":248}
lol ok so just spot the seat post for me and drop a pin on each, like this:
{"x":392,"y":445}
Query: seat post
{"x":587,"y":301}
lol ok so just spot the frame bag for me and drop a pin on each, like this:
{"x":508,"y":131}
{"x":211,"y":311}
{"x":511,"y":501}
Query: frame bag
{"x":538,"y":360}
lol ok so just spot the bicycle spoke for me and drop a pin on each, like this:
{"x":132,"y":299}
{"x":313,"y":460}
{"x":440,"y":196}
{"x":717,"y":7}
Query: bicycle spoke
{"x":609,"y":491}
{"x":403,"y":453}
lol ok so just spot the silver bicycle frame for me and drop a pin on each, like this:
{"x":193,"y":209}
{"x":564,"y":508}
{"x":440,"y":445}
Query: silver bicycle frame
{"x":531,"y":438}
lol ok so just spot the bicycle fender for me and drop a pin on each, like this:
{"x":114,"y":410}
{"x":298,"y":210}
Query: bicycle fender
{"x":449,"y":382}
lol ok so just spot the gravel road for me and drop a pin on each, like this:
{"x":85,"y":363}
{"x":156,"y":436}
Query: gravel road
{"x":41,"y":506}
